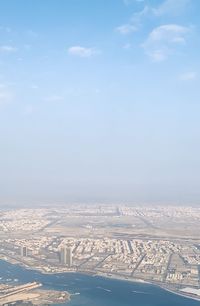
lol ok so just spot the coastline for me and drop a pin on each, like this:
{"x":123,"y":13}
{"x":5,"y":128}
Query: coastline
{"x":180,"y":293}
{"x":105,"y":275}
{"x":141,"y":281}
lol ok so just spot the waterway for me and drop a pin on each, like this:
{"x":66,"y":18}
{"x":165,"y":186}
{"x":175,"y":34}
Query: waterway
{"x":96,"y":291}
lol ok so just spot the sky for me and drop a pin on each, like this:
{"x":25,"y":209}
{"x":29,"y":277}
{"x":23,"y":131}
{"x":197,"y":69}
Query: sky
{"x":100,"y":101}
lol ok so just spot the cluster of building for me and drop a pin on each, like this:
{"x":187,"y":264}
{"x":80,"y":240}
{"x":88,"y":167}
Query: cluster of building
{"x":23,"y":220}
{"x":134,"y":242}
{"x":155,"y":260}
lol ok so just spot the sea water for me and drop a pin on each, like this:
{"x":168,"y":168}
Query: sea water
{"x":96,"y":291}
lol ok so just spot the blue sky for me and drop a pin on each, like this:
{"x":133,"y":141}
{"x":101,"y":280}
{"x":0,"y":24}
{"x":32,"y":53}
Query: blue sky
{"x":100,"y":101}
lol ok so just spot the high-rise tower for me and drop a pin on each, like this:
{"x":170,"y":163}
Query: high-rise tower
{"x":24,"y":251}
{"x":66,"y":256}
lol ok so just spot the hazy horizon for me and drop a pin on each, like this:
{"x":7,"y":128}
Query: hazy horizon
{"x":100,"y":101}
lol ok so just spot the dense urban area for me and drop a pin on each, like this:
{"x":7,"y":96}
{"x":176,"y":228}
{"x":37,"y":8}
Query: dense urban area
{"x":160,"y":245}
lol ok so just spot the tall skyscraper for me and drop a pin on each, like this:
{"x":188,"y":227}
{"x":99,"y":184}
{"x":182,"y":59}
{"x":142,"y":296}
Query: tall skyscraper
{"x":66,"y":256}
{"x":24,"y":251}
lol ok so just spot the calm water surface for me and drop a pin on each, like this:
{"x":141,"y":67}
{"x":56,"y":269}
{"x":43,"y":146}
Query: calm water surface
{"x":96,"y":291}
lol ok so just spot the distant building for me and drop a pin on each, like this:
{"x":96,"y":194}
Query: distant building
{"x":66,"y":256}
{"x":24,"y":251}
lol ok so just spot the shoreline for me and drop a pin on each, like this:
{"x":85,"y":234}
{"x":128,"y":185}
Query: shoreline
{"x":107,"y":276}
{"x":141,"y":281}
{"x":180,"y":293}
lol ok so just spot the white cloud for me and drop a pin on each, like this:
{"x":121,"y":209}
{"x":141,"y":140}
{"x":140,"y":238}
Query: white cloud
{"x":166,"y":8}
{"x":82,"y":51}
{"x":34,"y":86}
{"x":54,"y":98}
{"x":127,"y":46}
{"x":159,"y":55}
{"x":169,"y":33}
{"x":163,"y":40}
{"x":171,"y":7}
{"x":134,"y":23}
{"x":138,"y":16}
{"x":126,"y":29}
{"x":188,"y":76}
{"x":7,"y":48}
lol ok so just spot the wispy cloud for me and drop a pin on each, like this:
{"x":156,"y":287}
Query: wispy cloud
{"x":171,"y":7}
{"x":54,"y":98}
{"x":138,"y":17}
{"x":188,"y":76}
{"x":166,"y":8}
{"x":163,"y":40}
{"x":34,"y":86}
{"x":126,"y":29}
{"x":127,"y":46}
{"x":134,"y":23}
{"x":82,"y":51}
{"x":7,"y":48}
